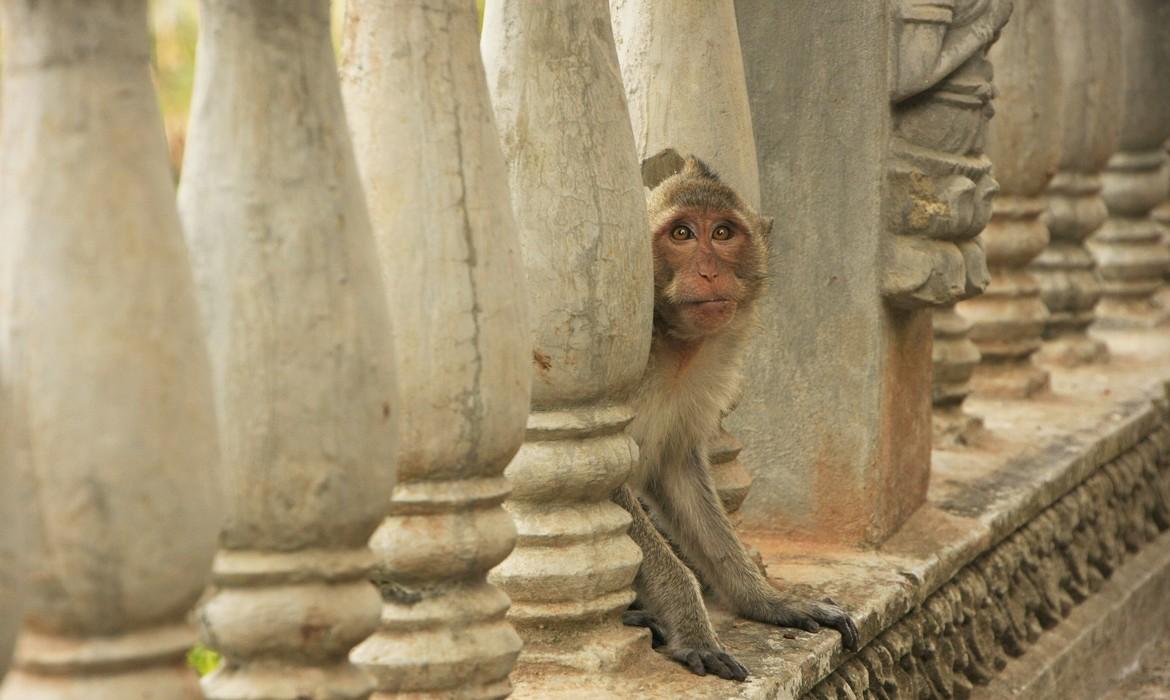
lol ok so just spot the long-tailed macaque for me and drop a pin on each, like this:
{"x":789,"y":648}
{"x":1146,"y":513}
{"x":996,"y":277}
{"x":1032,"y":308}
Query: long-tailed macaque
{"x":710,"y":257}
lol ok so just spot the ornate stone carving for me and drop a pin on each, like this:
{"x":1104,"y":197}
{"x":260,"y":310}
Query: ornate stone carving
{"x":301,"y":350}
{"x":435,"y":178}
{"x":577,"y":194}
{"x":939,"y":183}
{"x":1091,"y":114}
{"x":1000,"y":604}
{"x":1024,"y":143}
{"x":1130,"y":249}
{"x":107,"y":396}
{"x":692,"y":102}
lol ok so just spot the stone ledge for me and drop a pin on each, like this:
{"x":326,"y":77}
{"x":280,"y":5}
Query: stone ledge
{"x":990,"y":507}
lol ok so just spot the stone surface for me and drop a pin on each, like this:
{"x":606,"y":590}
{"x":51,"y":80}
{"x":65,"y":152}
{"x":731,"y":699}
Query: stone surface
{"x":1129,"y":249}
{"x":577,"y":195}
{"x":1024,"y":142}
{"x":1089,"y":60}
{"x":107,"y":391}
{"x":836,"y":414}
{"x":436,"y":185}
{"x":1151,"y":679}
{"x":1098,"y":639}
{"x":301,"y":351}
{"x":1039,"y":452}
{"x":682,"y":68}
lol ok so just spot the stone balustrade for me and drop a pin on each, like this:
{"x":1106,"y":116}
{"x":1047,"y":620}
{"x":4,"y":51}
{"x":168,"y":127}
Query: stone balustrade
{"x":383,"y":345}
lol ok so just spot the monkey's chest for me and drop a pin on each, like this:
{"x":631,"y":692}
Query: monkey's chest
{"x":677,"y":414}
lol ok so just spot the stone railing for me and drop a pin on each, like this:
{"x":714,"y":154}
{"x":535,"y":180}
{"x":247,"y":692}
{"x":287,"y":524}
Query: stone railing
{"x":387,"y":331}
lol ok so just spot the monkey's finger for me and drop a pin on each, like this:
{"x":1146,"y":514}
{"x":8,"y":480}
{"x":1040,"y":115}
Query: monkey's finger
{"x":715,"y":665}
{"x":849,"y":634}
{"x":695,"y":662}
{"x":738,"y":671}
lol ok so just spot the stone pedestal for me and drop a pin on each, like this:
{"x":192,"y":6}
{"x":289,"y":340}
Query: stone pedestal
{"x":1130,"y":249}
{"x":869,"y":235}
{"x":301,"y":351}
{"x":577,"y":195}
{"x":436,"y":184}
{"x":107,"y":391}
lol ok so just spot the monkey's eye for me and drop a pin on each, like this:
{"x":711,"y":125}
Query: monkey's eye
{"x":681,"y":233}
{"x":721,"y":233}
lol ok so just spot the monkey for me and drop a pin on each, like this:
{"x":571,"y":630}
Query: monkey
{"x":710,"y":251}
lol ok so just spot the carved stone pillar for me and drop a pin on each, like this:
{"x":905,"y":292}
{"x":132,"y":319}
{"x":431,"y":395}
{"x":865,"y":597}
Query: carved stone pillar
{"x":301,"y":352}
{"x":436,"y":184}
{"x":1024,"y":144}
{"x":1089,"y":58}
{"x":12,"y":563}
{"x":870,"y":234}
{"x":1129,"y":248}
{"x":577,"y":194}
{"x":108,"y":400}
{"x":683,"y":73}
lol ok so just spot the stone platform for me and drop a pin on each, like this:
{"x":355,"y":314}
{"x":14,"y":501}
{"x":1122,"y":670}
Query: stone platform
{"x":1039,"y":568}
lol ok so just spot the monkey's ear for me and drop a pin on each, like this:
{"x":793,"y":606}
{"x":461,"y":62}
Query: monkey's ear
{"x":766,"y":227}
{"x":660,"y":166}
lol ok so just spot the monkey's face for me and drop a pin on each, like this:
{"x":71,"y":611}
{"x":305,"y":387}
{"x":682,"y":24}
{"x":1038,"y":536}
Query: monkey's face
{"x":702,"y":259}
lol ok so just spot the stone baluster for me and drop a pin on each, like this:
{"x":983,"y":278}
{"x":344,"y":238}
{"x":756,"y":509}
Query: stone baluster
{"x":301,"y":353}
{"x":108,"y":401}
{"x":436,"y":183}
{"x":869,"y":236}
{"x":1089,"y":57}
{"x":577,"y":194}
{"x":1024,"y":142}
{"x":1129,"y":249}
{"x":1161,"y":214}
{"x":954,"y":358}
{"x":692,"y":102}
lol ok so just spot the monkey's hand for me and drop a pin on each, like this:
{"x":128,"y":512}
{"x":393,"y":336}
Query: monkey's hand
{"x":702,"y":660}
{"x":701,"y":656}
{"x":808,"y":615}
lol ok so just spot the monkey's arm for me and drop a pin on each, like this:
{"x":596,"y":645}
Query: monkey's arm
{"x":695,"y":520}
{"x":669,"y":593}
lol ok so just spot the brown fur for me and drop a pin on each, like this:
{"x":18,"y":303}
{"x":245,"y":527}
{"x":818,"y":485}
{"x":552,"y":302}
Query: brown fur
{"x":693,"y":378}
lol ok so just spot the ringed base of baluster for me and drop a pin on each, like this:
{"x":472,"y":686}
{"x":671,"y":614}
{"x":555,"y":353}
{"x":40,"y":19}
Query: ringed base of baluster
{"x":1017,"y":378}
{"x":1133,"y":314}
{"x":452,"y":642}
{"x":1072,"y":350}
{"x":597,"y":646}
{"x":955,"y":428}
{"x":147,"y":664}
{"x":279,"y":681}
{"x":732,"y":480}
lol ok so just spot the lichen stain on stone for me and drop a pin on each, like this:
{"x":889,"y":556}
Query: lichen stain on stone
{"x":924,"y":203}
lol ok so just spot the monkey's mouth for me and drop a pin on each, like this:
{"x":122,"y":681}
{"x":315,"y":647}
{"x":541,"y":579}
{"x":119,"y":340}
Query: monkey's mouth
{"x":712,"y":304}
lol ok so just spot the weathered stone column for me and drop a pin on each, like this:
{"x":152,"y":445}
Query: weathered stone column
{"x":436,"y":184}
{"x":108,"y":401}
{"x":683,"y":73}
{"x":577,"y":195}
{"x":13,"y":564}
{"x":301,"y":352}
{"x":870,"y":234}
{"x":1129,"y":248}
{"x":1089,"y":58}
{"x":1024,"y":143}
